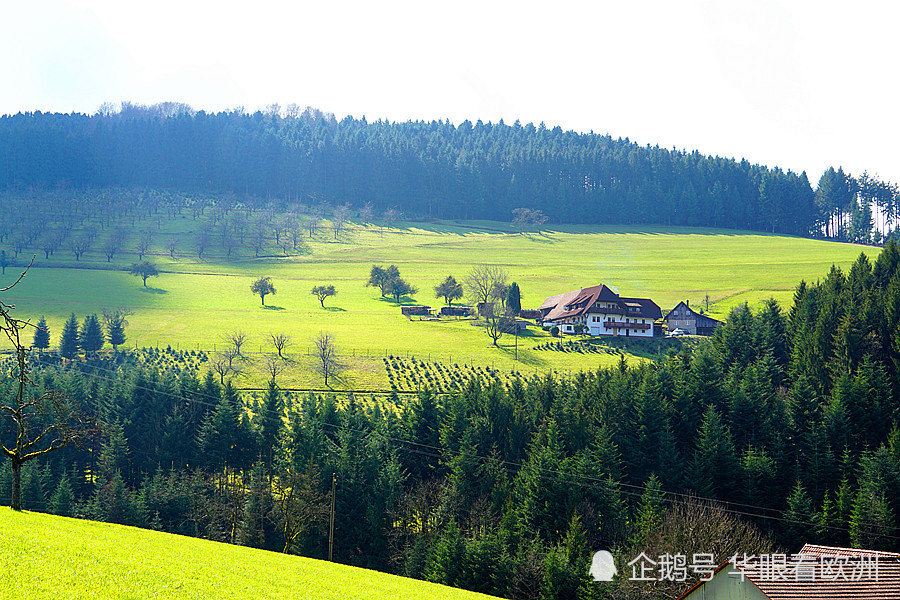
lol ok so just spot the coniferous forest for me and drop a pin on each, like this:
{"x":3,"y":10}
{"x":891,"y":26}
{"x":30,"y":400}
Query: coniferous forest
{"x":432,"y":170}
{"x":781,"y":429}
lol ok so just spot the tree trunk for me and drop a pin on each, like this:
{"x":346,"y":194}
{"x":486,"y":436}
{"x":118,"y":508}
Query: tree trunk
{"x":15,"y":501}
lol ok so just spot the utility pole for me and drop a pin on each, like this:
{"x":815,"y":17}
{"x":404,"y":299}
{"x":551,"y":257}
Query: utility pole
{"x":516,"y":325}
{"x":331,"y":527}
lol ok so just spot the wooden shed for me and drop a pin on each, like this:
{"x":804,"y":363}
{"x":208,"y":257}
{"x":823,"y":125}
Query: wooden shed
{"x":456,"y":311}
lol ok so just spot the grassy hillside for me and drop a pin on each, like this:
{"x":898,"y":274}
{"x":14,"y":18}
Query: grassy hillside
{"x":44,"y":556}
{"x":194,"y":303}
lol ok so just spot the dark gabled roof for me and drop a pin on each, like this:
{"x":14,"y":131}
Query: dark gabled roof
{"x":557,"y":304}
{"x":649,"y":308}
{"x":883,"y":584}
{"x":692,"y":311}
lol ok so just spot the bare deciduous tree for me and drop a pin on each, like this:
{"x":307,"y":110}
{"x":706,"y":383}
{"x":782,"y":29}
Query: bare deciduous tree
{"x":485,"y":284}
{"x":223,"y":363}
{"x":79,"y":246}
{"x":496,"y":321}
{"x":144,"y":242}
{"x":280,"y":341}
{"x":327,"y":363}
{"x":110,"y":248}
{"x":275,"y":366}
{"x":237,"y":339}
{"x":315,"y":215}
{"x":366,"y":213}
{"x":299,"y":506}
{"x":42,"y":423}
{"x":391,"y":216}
{"x":202,"y":241}
{"x":339,"y":218}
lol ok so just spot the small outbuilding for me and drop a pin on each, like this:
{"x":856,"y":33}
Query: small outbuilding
{"x":415,"y":311}
{"x":691,"y":321}
{"x":531,"y":313}
{"x":456,"y":311}
{"x":814,"y":573}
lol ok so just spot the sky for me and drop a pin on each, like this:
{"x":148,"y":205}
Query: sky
{"x":801,"y":85}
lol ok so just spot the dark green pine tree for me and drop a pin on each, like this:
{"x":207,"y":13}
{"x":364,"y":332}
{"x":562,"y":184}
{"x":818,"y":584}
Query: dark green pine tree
{"x":41,"y":335}
{"x":68,"y":341}
{"x":63,"y":499}
{"x":513,"y":299}
{"x":799,"y":520}
{"x":257,"y":528}
{"x":225,"y":438}
{"x":115,"y":332}
{"x":715,"y":462}
{"x":269,"y":422}
{"x":91,"y":338}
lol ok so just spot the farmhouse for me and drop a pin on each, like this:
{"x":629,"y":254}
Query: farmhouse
{"x":600,"y":311}
{"x":814,"y":572}
{"x":694,"y":323}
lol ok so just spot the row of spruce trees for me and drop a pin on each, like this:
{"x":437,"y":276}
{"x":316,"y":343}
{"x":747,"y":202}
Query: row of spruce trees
{"x":90,"y":337}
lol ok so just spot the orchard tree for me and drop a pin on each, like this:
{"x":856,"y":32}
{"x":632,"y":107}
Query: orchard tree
{"x":400,"y":288}
{"x":237,"y":339}
{"x":339,"y":218}
{"x":41,"y":339}
{"x":322,"y":292}
{"x":449,"y":290}
{"x":486,"y":284}
{"x":110,"y":248}
{"x":327,"y":363}
{"x":144,"y":270}
{"x":383,"y":278}
{"x":274,"y":366}
{"x":80,"y":246}
{"x":144,"y":242}
{"x":262,"y":287}
{"x":280,"y":341}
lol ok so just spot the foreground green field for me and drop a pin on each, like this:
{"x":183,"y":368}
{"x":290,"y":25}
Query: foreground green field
{"x":195,"y":303}
{"x":44,"y":556}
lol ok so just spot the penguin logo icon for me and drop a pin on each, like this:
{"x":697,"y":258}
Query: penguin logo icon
{"x":603,"y":567}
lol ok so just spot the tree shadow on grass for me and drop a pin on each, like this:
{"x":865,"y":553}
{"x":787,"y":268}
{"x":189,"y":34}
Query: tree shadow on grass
{"x":334,"y":309}
{"x":526,"y":356}
{"x":541,"y":238}
{"x":271,"y":307}
{"x":404,"y":300}
{"x":153,"y":290}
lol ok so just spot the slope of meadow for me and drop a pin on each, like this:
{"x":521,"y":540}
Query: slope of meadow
{"x":44,"y":556}
{"x":195,"y":302}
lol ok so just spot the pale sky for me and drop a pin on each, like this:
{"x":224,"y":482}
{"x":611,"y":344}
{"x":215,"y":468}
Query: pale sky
{"x":801,"y":85}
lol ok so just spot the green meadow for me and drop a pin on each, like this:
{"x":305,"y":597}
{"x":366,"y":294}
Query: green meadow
{"x":44,"y":556}
{"x":194,"y":303}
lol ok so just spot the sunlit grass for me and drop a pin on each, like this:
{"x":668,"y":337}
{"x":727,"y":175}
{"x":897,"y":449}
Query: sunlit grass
{"x":194,"y":303}
{"x":43,"y":556}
